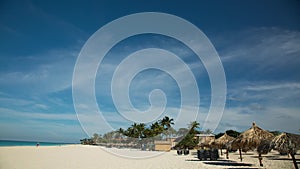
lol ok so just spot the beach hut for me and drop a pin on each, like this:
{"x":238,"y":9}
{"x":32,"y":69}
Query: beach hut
{"x":250,"y":140}
{"x":222,"y":141}
{"x":287,"y":143}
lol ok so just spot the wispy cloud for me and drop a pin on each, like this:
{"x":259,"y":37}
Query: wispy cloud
{"x":262,"y":79}
{"x":274,"y":106}
{"x":265,"y":53}
{"x":270,"y":118}
{"x":265,"y":92}
{"x":265,"y":87}
{"x":42,"y":77}
{"x":39,"y":126}
{"x":10,"y":113}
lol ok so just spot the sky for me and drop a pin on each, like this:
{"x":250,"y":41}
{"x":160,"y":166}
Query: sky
{"x":258,"y":43}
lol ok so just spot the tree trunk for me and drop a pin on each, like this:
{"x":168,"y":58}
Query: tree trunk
{"x":240,"y":151}
{"x":221,"y":152}
{"x":294,"y":161}
{"x":260,"y":160}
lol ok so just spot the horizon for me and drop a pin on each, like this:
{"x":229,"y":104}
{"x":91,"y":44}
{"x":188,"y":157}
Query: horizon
{"x":33,"y":141}
{"x":257,"y":43}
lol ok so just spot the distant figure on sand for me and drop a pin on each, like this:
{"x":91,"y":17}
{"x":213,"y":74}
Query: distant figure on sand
{"x":37,"y":144}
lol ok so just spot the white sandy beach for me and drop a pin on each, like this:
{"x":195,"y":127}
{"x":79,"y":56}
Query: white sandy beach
{"x":93,"y":157}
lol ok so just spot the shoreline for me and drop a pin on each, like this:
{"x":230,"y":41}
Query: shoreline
{"x":17,"y":143}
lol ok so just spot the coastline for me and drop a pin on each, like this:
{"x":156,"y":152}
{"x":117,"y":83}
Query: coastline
{"x":92,"y":157}
{"x":18,"y":143}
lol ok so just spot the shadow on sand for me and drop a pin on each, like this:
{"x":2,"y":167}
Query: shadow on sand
{"x":283,"y":159}
{"x":225,"y":163}
{"x":243,"y":168}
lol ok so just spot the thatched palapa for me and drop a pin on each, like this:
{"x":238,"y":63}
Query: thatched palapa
{"x":251,"y":139}
{"x":222,"y":141}
{"x":287,"y":143}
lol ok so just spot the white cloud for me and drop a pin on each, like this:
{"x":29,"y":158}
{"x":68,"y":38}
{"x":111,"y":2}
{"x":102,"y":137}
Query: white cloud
{"x":15,"y":114}
{"x":277,"y":86}
{"x":265,"y":92}
{"x":51,"y":74}
{"x":262,"y":50}
{"x":39,"y":126}
{"x":271,"y":118}
{"x":273,"y":105}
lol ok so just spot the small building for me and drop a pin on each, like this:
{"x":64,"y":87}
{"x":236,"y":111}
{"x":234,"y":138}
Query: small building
{"x":164,"y":145}
{"x":205,"y":138}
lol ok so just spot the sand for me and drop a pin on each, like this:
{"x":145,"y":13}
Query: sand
{"x":93,"y":157}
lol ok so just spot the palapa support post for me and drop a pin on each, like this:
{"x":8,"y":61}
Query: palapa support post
{"x":221,"y":152}
{"x":227,"y":156}
{"x":260,"y":160}
{"x":294,"y":161}
{"x":240,"y":151}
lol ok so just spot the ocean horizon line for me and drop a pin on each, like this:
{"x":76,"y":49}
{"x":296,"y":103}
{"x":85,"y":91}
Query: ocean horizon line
{"x":7,"y":142}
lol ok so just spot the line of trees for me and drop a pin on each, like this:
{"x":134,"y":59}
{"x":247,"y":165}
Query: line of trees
{"x":140,"y":131}
{"x":138,"y":135}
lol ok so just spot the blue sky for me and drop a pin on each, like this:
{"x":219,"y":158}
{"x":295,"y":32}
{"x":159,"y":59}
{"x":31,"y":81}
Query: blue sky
{"x":257,"y":41}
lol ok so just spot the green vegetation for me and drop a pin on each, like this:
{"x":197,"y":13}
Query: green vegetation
{"x":137,"y":135}
{"x":190,"y":141}
{"x":141,"y":131}
{"x":275,"y":133}
{"x":231,"y":133}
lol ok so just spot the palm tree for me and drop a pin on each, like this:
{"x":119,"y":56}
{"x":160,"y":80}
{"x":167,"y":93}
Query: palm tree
{"x":189,"y":141}
{"x":136,"y":132}
{"x":193,"y":127}
{"x":156,"y":128}
{"x":166,"y":122}
{"x":140,"y":128}
{"x":148,"y":133}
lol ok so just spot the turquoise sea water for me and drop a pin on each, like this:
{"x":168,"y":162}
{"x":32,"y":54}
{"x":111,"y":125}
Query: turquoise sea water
{"x":28,"y":143}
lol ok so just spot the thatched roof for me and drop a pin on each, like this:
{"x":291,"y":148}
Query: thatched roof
{"x":223,"y":140}
{"x":286,"y":142}
{"x":251,"y":138}
{"x":206,"y":143}
{"x":212,"y":143}
{"x":265,"y":146}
